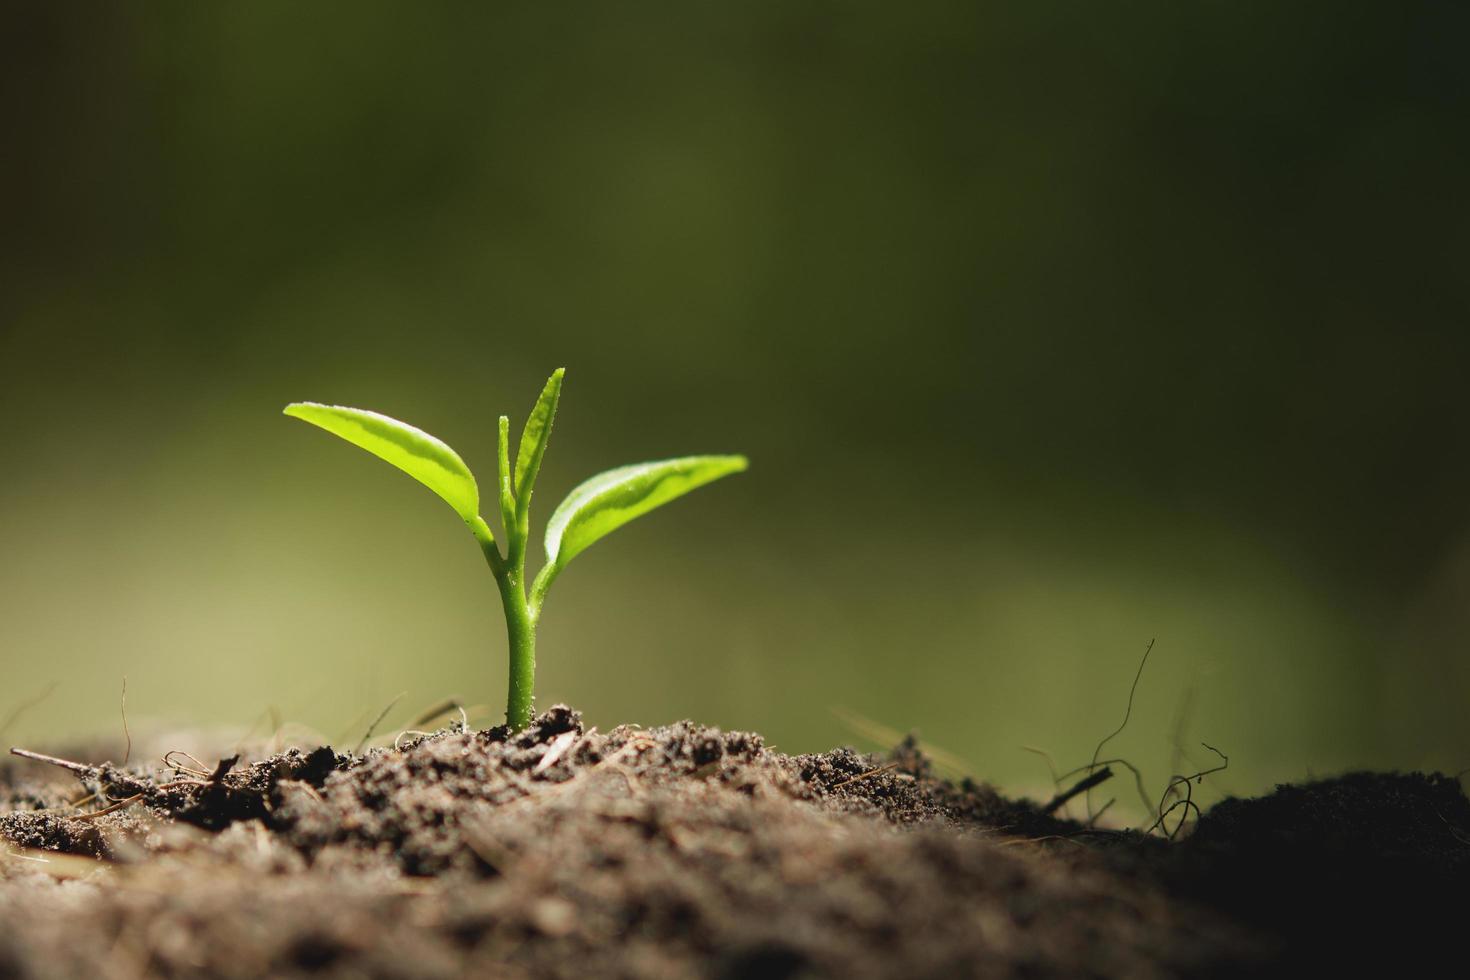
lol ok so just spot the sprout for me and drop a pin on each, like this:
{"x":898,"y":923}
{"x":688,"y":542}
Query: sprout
{"x":596,"y":508}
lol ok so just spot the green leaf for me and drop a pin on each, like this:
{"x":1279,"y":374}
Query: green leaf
{"x":507,"y":499}
{"x":609,"y":500}
{"x":412,"y":450}
{"x":536,"y":434}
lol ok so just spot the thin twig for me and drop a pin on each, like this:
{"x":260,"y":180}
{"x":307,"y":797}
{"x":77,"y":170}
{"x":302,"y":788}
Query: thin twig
{"x":1083,"y":785}
{"x":1148,"y":804}
{"x":1188,"y":804}
{"x":175,"y":784}
{"x":123,"y":707}
{"x":1051,"y":763}
{"x":1127,"y":713}
{"x":79,"y":768}
{"x":1187,"y":801}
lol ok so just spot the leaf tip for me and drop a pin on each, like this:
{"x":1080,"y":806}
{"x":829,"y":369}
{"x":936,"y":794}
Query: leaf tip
{"x":299,"y":410}
{"x":731,"y":463}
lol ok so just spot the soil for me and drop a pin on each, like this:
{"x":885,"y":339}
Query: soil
{"x":689,"y":852}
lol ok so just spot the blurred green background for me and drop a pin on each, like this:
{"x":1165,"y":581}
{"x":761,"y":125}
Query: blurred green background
{"x":1049,"y":329}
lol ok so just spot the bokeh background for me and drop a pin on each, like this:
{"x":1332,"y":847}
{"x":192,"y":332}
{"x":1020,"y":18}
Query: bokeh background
{"x":1049,"y":329}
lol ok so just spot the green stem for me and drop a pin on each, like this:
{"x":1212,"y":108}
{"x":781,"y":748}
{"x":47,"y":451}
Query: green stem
{"x":520,"y":621}
{"x":520,"y":630}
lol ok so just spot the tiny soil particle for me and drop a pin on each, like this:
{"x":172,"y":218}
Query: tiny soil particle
{"x":686,"y":851}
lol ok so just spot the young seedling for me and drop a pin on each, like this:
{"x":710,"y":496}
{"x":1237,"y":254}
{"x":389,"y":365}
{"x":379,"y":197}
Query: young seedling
{"x":597,"y":507}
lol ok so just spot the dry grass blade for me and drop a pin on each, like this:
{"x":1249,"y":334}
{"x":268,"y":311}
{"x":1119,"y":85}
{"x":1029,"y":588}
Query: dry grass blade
{"x":438,"y":711}
{"x":54,"y":863}
{"x":375,"y":723}
{"x":119,"y":805}
{"x":866,"y":775}
{"x":558,"y":748}
{"x":887,"y":738}
{"x":27,"y":705}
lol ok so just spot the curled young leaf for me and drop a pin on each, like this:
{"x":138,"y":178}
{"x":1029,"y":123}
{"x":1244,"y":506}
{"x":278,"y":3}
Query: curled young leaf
{"x":609,"y":500}
{"x":415,"y":452}
{"x":536,"y":434}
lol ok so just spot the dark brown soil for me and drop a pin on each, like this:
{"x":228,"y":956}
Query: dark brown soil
{"x":686,"y":851}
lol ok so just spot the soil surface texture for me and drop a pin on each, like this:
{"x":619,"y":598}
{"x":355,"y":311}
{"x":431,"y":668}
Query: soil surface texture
{"x":686,"y":851}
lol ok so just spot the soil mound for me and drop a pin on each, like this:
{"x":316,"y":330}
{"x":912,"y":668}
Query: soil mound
{"x":671,"y":852}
